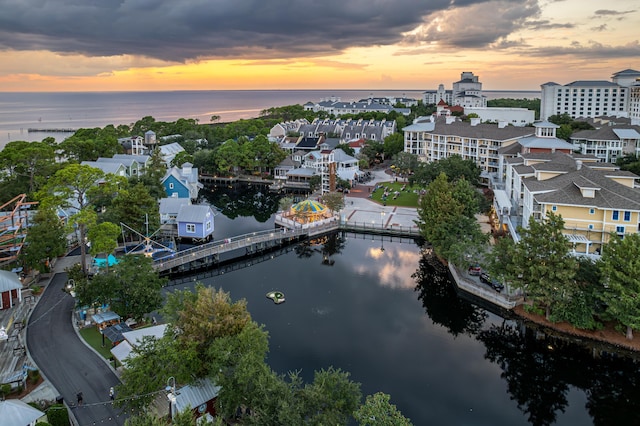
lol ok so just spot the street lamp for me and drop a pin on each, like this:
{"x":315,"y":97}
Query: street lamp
{"x":171,"y":389}
{"x":381,"y":235}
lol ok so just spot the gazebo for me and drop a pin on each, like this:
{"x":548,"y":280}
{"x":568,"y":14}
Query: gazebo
{"x":10,"y":289}
{"x":309,"y":211}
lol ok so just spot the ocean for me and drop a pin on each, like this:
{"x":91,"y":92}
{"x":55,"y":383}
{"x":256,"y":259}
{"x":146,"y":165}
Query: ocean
{"x":73,"y":110}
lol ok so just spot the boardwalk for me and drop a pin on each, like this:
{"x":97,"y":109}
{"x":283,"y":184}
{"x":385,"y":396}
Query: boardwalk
{"x":205,"y":255}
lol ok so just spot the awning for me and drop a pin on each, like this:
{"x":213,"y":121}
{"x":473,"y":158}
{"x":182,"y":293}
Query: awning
{"x":114,"y":332}
{"x":577,"y":238}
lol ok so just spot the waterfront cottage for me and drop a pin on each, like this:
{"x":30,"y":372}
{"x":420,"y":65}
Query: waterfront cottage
{"x":195,"y":222}
{"x":182,"y":182}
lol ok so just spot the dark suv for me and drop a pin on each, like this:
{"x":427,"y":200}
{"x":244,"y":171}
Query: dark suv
{"x":495,"y":284}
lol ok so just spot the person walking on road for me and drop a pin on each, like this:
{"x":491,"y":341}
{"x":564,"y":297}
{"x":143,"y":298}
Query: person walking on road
{"x":112,"y":393}
{"x":79,"y":396}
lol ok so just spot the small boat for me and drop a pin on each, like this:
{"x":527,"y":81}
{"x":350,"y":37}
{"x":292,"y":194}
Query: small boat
{"x":276,"y":296}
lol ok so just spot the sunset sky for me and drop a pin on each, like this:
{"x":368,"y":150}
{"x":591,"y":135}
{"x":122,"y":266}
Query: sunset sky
{"x":108,"y":45}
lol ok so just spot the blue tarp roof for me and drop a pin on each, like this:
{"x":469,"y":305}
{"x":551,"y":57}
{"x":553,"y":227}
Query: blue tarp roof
{"x":101,"y":263}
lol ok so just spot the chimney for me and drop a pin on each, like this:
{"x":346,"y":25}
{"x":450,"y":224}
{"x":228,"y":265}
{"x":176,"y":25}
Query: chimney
{"x":450,"y":119}
{"x":475,"y":121}
{"x":578,"y":164}
{"x":502,"y":124}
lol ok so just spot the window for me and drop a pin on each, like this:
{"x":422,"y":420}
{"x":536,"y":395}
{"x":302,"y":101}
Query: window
{"x":620,"y":230}
{"x":627,"y":216}
{"x":191,"y":228}
{"x":592,"y":211}
{"x":615,"y":215}
{"x":170,"y":185}
{"x":208,"y":225}
{"x":554,"y":208}
{"x":590,"y":226}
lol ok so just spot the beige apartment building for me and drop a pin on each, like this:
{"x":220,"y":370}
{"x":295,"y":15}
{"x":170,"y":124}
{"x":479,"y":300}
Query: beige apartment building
{"x":594,"y":199}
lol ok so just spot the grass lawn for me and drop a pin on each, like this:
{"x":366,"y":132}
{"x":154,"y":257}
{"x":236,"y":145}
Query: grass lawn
{"x":92,"y":336}
{"x":406,"y":198}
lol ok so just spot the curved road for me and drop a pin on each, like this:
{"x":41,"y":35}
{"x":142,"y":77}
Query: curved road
{"x":67,"y":362}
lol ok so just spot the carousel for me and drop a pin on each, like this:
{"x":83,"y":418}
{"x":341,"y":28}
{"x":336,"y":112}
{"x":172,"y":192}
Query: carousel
{"x":309,"y":211}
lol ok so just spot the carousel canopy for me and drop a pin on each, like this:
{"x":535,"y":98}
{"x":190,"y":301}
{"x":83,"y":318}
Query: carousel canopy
{"x":309,"y":207}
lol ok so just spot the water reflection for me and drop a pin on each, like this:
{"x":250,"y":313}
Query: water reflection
{"x":243,"y":200}
{"x":360,"y":314}
{"x":539,"y":370}
{"x":441,"y":302}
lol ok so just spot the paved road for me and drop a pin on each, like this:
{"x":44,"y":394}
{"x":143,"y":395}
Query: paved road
{"x":66,"y":361}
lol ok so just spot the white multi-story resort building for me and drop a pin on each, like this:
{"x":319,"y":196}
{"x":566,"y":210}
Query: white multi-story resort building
{"x":608,"y":142}
{"x":467,"y":93}
{"x":634,"y":103}
{"x":589,"y":98}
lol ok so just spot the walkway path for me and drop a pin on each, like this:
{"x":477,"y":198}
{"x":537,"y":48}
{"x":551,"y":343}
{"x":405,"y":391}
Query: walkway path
{"x":360,"y":209}
{"x":64,"y":359}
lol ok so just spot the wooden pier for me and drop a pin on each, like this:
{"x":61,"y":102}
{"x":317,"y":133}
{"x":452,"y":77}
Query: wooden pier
{"x":55,"y":130}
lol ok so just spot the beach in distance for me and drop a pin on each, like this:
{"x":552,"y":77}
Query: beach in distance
{"x":20,"y":111}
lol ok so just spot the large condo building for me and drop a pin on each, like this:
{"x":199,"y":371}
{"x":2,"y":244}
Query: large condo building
{"x":589,"y":98}
{"x":467,"y":93}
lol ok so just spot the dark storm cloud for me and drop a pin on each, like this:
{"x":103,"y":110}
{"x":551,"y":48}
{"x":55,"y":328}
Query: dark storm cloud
{"x":608,"y":12}
{"x":593,"y":51}
{"x":183,"y":30}
{"x":478,"y":25}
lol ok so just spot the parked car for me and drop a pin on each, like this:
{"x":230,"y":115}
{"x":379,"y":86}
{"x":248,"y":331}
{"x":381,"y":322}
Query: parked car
{"x":475,"y":269}
{"x":495,"y":284}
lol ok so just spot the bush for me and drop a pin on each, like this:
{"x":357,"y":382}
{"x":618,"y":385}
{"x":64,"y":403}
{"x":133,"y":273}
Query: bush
{"x":5,"y":389}
{"x":34,"y":376}
{"x":58,"y":415}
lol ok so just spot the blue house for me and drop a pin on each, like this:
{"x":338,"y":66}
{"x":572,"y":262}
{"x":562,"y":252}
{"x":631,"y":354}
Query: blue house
{"x":182,"y":183}
{"x":195,"y":222}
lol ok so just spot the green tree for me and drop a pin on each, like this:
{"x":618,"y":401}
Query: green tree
{"x":133,"y":286}
{"x":71,"y":188}
{"x":447,"y":221}
{"x":541,"y":264}
{"x":405,"y":163}
{"x":621,"y":273}
{"x":334,"y":200}
{"x":135,"y":207}
{"x":393,"y":144}
{"x":227,"y":156}
{"x":29,"y":160}
{"x":181,"y":158}
{"x":379,"y":411}
{"x":104,"y":239}
{"x":46,"y":239}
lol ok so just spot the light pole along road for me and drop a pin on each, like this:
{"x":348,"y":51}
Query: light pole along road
{"x":67,"y":362}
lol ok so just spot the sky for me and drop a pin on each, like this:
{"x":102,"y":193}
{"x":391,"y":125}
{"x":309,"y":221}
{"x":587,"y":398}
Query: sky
{"x":142,"y":45}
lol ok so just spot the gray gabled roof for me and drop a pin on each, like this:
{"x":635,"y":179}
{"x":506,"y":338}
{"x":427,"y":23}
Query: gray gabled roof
{"x":545,"y":143}
{"x":14,"y":412}
{"x":196,"y":394}
{"x":193,"y":213}
{"x":565,"y":189}
{"x":107,"y":167}
{"x":172,"y":204}
{"x":9,"y":281}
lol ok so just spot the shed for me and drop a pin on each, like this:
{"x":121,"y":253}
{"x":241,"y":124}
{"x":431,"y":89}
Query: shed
{"x":106,"y":319}
{"x":10,"y":289}
{"x":195,"y":222}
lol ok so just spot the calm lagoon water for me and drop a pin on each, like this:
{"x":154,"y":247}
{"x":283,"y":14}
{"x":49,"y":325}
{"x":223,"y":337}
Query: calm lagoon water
{"x":443,"y":360}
